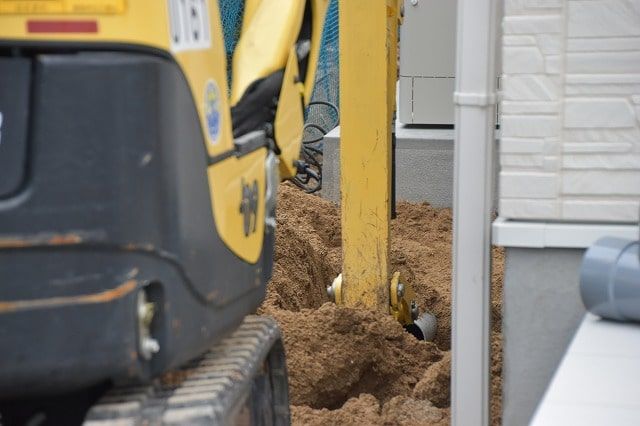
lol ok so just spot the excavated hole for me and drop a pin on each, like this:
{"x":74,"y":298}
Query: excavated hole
{"x":334,"y":353}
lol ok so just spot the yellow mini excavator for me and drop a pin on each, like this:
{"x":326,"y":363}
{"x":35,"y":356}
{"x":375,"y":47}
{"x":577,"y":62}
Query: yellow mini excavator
{"x":137,"y":207}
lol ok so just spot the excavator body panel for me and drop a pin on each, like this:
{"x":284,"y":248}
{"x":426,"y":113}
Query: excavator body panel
{"x":135,"y":229}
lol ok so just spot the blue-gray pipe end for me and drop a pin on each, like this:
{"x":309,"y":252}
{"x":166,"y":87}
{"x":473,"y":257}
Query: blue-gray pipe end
{"x":610,"y":279}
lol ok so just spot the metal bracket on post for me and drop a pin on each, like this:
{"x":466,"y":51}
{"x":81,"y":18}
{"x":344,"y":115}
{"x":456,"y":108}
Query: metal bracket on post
{"x":403,"y":306}
{"x":402,"y":299}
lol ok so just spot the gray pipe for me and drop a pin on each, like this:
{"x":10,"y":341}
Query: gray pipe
{"x":610,"y":279}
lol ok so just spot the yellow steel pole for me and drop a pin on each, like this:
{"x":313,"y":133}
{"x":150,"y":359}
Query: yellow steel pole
{"x":368,"y":52}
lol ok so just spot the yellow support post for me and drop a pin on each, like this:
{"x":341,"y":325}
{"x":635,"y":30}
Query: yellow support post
{"x":368,"y":68}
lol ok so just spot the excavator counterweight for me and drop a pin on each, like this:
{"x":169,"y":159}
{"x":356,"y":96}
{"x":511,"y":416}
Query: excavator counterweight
{"x":137,"y":205}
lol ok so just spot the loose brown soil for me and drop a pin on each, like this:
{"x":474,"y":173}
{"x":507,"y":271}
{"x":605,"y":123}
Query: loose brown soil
{"x":351,"y":366}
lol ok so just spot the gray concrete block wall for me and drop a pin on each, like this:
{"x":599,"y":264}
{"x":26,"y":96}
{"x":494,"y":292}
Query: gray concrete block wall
{"x":541,"y":311}
{"x":424,"y":165}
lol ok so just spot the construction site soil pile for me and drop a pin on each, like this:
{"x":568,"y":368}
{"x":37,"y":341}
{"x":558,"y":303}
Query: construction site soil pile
{"x":352,"y":366}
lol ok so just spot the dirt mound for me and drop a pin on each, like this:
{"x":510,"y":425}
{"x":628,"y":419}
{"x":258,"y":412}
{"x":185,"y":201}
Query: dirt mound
{"x":351,"y":366}
{"x":308,"y":253}
{"x":434,"y":384}
{"x":366,"y":410}
{"x":336,"y":353}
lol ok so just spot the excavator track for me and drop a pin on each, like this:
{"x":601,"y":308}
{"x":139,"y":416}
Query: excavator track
{"x":241,"y":380}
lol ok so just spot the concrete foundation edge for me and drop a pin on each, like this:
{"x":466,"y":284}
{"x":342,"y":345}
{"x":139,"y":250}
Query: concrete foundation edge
{"x":542,"y":310}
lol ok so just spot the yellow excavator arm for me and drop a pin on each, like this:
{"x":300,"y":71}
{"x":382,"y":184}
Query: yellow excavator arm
{"x":279,"y":45}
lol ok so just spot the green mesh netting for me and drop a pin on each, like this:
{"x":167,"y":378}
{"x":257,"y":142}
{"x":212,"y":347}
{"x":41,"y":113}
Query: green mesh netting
{"x":327,"y":75}
{"x":231,"y":15}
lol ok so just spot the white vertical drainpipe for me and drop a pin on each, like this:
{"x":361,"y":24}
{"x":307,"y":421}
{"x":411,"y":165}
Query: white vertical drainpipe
{"x":475,"y":100}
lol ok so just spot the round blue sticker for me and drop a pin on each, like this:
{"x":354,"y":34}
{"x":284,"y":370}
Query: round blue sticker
{"x":212,"y":110}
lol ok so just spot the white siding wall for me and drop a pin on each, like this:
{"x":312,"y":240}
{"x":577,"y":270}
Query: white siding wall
{"x":570,"y":146}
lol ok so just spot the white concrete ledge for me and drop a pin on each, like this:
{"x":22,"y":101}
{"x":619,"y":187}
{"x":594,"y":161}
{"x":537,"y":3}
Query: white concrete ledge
{"x":598,"y":381}
{"x":533,"y":234}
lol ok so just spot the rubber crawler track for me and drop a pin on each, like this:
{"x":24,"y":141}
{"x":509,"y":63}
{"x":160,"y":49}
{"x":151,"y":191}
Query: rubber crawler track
{"x":214,"y":388}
